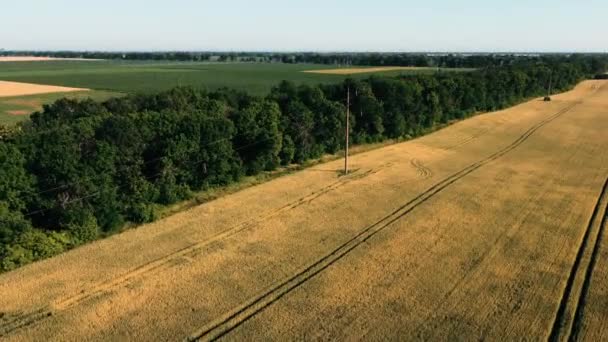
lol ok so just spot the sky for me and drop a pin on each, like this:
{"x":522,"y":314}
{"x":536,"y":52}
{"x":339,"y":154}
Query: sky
{"x":310,"y":25}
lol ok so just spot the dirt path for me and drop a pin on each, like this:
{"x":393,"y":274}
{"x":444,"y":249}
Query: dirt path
{"x":470,"y":232}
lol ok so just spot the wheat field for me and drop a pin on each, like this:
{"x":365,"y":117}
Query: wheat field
{"x":10,"y":89}
{"x":490,"y":228}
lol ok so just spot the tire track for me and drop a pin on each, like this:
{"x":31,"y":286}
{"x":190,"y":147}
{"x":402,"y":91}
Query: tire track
{"x":594,"y":88}
{"x":430,"y":323}
{"x":21,"y":320}
{"x":422,"y":171}
{"x":234,"y":318}
{"x":565,"y":326}
{"x":12,"y":323}
{"x":468,"y":140}
{"x":580,"y":310}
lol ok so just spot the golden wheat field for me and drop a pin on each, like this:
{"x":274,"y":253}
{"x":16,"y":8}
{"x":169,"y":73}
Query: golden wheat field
{"x":10,"y":89}
{"x":491,"y":228}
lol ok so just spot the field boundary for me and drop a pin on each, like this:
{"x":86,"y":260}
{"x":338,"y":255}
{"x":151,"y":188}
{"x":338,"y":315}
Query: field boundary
{"x":234,"y":318}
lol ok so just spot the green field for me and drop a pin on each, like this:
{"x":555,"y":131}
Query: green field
{"x":114,"y":77}
{"x":129,"y":77}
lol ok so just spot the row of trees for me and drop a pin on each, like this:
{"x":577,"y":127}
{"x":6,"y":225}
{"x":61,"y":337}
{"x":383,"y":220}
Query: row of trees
{"x":80,"y":170}
{"x":446,"y":60}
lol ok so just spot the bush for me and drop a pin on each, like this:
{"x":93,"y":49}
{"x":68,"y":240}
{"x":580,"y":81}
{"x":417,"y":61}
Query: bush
{"x":142,"y":213}
{"x":32,"y":245}
{"x":83,"y":229}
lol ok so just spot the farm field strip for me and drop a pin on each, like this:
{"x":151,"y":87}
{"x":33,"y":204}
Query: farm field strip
{"x":241,"y":314}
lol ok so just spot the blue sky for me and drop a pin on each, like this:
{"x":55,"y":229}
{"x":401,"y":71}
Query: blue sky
{"x":310,"y":25}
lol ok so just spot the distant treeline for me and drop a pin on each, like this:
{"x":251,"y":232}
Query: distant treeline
{"x":447,"y":60}
{"x":80,"y":170}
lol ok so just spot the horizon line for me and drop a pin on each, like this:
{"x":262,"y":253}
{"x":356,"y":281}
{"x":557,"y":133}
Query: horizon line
{"x":4,"y":50}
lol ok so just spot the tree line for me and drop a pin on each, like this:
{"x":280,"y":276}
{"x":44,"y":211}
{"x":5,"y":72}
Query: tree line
{"x":443,"y":60}
{"x":80,"y":170}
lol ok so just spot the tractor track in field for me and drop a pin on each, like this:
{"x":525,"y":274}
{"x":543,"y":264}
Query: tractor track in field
{"x":239,"y":315}
{"x":582,"y":301}
{"x":421,"y":170}
{"x":486,"y":130}
{"x":468,"y":140}
{"x":566,"y":327}
{"x":10,"y":323}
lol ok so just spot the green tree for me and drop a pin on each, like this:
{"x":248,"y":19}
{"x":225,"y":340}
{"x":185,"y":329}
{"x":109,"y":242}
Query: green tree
{"x":258,"y":140}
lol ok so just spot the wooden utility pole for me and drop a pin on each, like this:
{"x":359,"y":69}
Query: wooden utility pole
{"x":347,"y":129}
{"x":549,"y":90}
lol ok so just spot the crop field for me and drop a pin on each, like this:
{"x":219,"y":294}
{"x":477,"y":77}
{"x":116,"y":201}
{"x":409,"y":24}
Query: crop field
{"x":129,"y":77}
{"x":492,"y":228}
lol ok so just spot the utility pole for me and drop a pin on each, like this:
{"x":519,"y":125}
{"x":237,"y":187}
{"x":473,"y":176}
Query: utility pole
{"x":347,"y":129}
{"x":549,"y":90}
